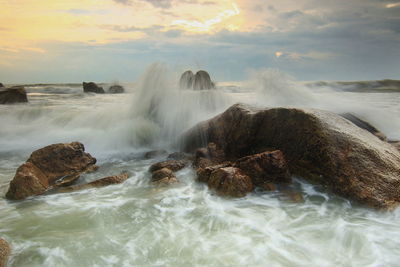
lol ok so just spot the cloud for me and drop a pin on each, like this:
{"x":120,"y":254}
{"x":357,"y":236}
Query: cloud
{"x":155,"y":3}
{"x":121,"y":28}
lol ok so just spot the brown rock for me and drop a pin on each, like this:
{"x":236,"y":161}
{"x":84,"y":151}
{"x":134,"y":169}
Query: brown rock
{"x":13,"y":95}
{"x":5,"y":251}
{"x":166,"y":181}
{"x":174,"y":165}
{"x":204,"y":173}
{"x":110,"y":180}
{"x":50,"y":167}
{"x":266,"y":167}
{"x":208,"y":156}
{"x":230,"y":181}
{"x":163,"y":176}
{"x":320,"y":146}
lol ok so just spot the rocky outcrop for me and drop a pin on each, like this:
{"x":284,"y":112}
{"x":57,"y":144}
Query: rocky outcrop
{"x":364,"y":125}
{"x":50,"y":167}
{"x":230,"y":181}
{"x":13,"y":95}
{"x":187,"y":79}
{"x":320,"y":146}
{"x":116,"y":89}
{"x":202,"y":81}
{"x":91,"y":87}
{"x":5,"y":251}
{"x":110,"y":180}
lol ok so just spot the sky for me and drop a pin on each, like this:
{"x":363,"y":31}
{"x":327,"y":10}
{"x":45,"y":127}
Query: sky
{"x":115,"y":40}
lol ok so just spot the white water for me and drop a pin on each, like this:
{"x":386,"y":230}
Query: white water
{"x":135,"y":224}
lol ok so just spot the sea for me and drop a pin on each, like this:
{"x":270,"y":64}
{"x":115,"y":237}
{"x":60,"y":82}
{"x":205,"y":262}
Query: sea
{"x":186,"y":224}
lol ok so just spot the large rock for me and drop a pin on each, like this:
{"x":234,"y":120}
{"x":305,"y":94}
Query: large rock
{"x":50,"y":167}
{"x":320,"y":146}
{"x":13,"y":95}
{"x":116,"y":89}
{"x":187,"y":79}
{"x":230,"y":181}
{"x":91,"y":87}
{"x":5,"y":251}
{"x":202,"y":81}
{"x":110,"y":180}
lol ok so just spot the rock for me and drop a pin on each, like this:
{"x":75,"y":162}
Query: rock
{"x":163,"y":176}
{"x":174,"y":165}
{"x":179,"y":156}
{"x":187,"y":79}
{"x":230,"y":181}
{"x":13,"y":95}
{"x":264,"y":168}
{"x":116,"y":89}
{"x":91,"y":87}
{"x":320,"y":146}
{"x":396,"y":145}
{"x":202,"y":81}
{"x":110,"y":180}
{"x":209,"y":156}
{"x":1,"y":85}
{"x":50,"y":167}
{"x":364,"y":125}
{"x":5,"y":251}
{"x":155,"y":153}
{"x":204,"y":173}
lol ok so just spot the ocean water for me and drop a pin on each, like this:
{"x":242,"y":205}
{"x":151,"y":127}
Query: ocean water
{"x":137,"y":224}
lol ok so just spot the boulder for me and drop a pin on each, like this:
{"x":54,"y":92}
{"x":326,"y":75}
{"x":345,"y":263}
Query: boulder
{"x":116,"y":89}
{"x":173,"y":165}
{"x":110,"y":180}
{"x":320,"y":146}
{"x":187,"y":79}
{"x":230,"y":181}
{"x":155,"y":153}
{"x":91,"y":87}
{"x":204,"y":173}
{"x":364,"y":125}
{"x":5,"y":251}
{"x":265,"y":168}
{"x":208,"y":156}
{"x":13,"y":95}
{"x":163,"y":176}
{"x":202,"y":81}
{"x":50,"y":167}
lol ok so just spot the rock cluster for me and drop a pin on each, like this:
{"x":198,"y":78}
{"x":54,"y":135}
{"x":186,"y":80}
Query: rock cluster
{"x":319,"y":146}
{"x":163,"y":172}
{"x":13,"y":95}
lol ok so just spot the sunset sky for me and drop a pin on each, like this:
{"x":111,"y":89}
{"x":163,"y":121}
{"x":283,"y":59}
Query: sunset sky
{"x":109,"y":40}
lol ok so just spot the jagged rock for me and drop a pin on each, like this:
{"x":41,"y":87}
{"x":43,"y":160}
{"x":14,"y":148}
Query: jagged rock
{"x":264,"y":168}
{"x":364,"y":125}
{"x":5,"y":251}
{"x":13,"y":95}
{"x":110,"y":180}
{"x":163,"y":176}
{"x":202,"y":81}
{"x":174,"y":165}
{"x":155,"y":153}
{"x":187,"y":79}
{"x":320,"y":146}
{"x":204,"y":173}
{"x":91,"y":87}
{"x":50,"y":167}
{"x":116,"y":89}
{"x":230,"y":181}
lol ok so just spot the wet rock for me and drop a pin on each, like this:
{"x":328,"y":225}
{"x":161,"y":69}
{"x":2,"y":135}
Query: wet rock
{"x":174,"y":165}
{"x":320,"y":146}
{"x":110,"y":180}
{"x":187,"y":79}
{"x":50,"y":167}
{"x":208,"y":156}
{"x":155,"y":154}
{"x":266,"y":167}
{"x":91,"y":87}
{"x":179,"y":156}
{"x":116,"y":89}
{"x":13,"y":95}
{"x":163,"y":176}
{"x":204,"y":173}
{"x":364,"y":125}
{"x":202,"y":81}
{"x":5,"y":251}
{"x":230,"y":181}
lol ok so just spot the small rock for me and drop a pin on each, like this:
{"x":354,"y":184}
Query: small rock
{"x":155,"y":153}
{"x":116,"y":89}
{"x":5,"y":251}
{"x":13,"y":95}
{"x":91,"y":87}
{"x":230,"y":181}
{"x":110,"y":180}
{"x":174,"y":165}
{"x":163,"y":176}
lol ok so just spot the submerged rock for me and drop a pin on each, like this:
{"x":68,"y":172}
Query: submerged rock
{"x":116,"y":89}
{"x":230,"y":181}
{"x":5,"y":251}
{"x":13,"y":95}
{"x":320,"y":146}
{"x":50,"y":167}
{"x":110,"y":180}
{"x":202,"y":81}
{"x":187,"y":79}
{"x":91,"y":87}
